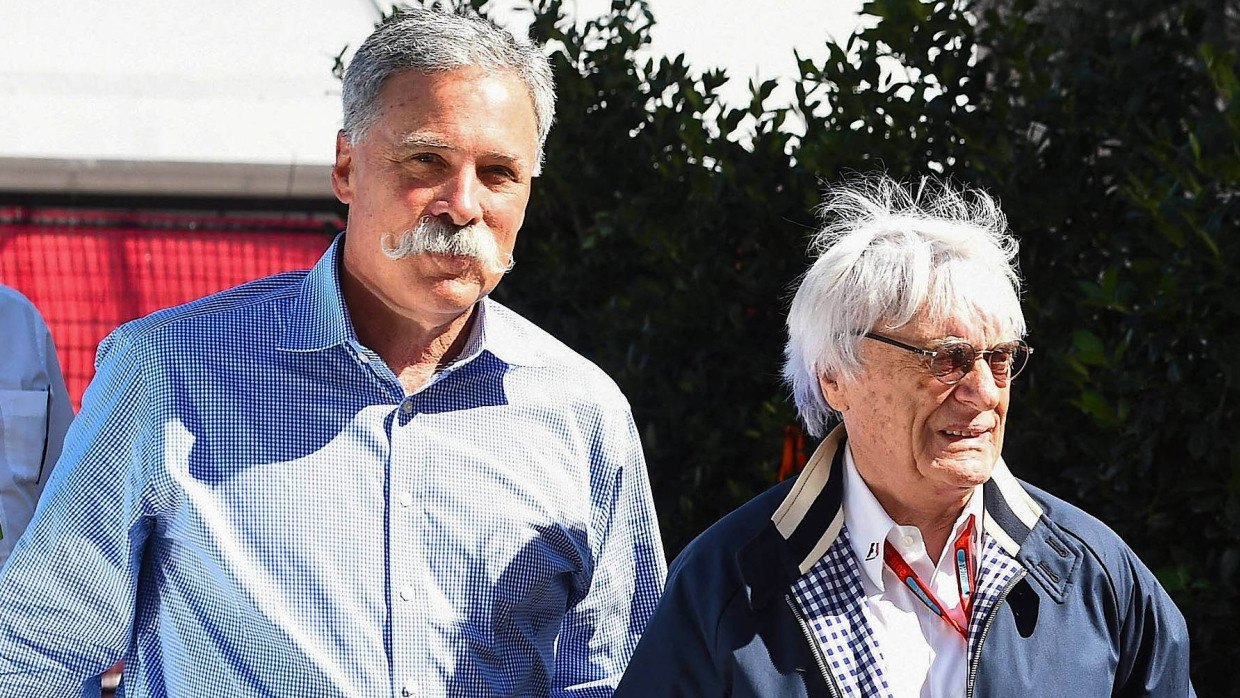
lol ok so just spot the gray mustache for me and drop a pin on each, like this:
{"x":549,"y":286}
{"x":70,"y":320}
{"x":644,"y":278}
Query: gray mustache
{"x":436,"y":236}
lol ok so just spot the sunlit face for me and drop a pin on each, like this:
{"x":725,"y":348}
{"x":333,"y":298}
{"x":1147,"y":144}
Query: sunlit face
{"x":913,"y":437}
{"x":459,"y":146}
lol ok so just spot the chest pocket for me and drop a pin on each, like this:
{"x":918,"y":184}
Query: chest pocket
{"x":23,"y":433}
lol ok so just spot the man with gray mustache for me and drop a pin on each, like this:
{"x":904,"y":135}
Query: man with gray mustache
{"x":367,"y":479}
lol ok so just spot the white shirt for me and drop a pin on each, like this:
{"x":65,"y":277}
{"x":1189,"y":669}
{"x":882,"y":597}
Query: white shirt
{"x":34,"y":413}
{"x":922,"y":655}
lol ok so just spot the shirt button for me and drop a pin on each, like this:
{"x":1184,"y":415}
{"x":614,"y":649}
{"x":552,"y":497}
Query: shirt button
{"x":409,"y":689}
{"x":363,"y":358}
{"x":406,"y":593}
{"x":406,"y":499}
{"x":907,"y":541}
{"x":407,"y":407}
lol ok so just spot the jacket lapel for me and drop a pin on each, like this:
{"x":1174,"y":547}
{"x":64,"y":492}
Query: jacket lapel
{"x":995,"y":570}
{"x":817,"y":567}
{"x":831,"y":598}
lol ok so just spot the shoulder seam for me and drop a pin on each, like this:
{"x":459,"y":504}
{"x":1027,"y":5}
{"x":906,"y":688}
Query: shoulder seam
{"x":188,"y":311}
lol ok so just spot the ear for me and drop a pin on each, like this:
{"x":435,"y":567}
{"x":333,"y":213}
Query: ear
{"x":834,"y":392}
{"x":342,"y":171}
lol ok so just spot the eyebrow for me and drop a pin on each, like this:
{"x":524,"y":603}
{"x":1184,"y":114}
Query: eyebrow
{"x":420,"y":140}
{"x":414,"y":141}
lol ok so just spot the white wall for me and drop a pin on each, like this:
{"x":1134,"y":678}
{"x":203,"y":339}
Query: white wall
{"x":238,"y":97}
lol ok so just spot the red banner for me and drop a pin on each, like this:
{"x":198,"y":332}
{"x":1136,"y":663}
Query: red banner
{"x":88,"y":271}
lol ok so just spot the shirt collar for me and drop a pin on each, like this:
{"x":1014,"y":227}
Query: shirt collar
{"x":318,"y":319}
{"x":475,"y":342}
{"x":811,"y":515}
{"x":496,"y":331}
{"x":506,"y":335}
{"x":869,"y":525}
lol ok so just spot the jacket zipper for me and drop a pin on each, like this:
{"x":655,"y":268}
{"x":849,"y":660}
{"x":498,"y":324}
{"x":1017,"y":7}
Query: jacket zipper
{"x":976,"y":660}
{"x":813,"y":647}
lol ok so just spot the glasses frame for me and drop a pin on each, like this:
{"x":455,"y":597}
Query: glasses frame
{"x":977,"y":353}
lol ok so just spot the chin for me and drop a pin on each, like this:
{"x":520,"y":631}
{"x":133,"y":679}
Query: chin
{"x":968,"y":471}
{"x":457,"y":290}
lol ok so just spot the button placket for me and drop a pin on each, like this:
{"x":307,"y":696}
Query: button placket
{"x":407,"y":593}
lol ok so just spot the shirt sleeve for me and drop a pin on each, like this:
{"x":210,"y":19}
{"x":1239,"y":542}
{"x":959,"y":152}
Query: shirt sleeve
{"x":34,"y":413}
{"x":60,"y":409}
{"x":600,"y":631}
{"x":67,"y":594}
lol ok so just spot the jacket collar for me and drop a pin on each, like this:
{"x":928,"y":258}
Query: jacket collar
{"x":810,"y":517}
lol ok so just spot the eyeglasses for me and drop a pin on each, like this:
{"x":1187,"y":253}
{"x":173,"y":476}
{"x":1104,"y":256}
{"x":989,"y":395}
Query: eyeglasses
{"x":954,"y":358}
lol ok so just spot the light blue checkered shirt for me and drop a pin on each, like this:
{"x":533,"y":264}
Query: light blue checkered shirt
{"x":249,"y":505}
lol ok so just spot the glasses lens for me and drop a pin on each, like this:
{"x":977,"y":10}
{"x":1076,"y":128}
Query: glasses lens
{"x":1007,"y":360}
{"x":1000,"y":361}
{"x":952,"y":360}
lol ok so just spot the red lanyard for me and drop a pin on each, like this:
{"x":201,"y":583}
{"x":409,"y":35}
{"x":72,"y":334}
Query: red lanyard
{"x":962,"y":550}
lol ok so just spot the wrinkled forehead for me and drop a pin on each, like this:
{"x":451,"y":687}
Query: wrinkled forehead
{"x":968,"y":303}
{"x":981,"y":331}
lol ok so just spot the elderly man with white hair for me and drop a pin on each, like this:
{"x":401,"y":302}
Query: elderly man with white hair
{"x":907,"y":560}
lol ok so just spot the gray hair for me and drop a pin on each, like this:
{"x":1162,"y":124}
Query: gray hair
{"x":428,"y":41}
{"x":887,"y":252}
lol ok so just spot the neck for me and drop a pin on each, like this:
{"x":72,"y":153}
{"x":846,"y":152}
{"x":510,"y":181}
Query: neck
{"x":414,"y":350}
{"x":935,"y":529}
{"x":935,"y":519}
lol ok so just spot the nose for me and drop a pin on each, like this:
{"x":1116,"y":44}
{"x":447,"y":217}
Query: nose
{"x":978,"y":388}
{"x":459,"y":198}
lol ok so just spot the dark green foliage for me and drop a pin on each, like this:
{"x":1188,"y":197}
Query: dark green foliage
{"x":662,"y":248}
{"x":659,"y":249}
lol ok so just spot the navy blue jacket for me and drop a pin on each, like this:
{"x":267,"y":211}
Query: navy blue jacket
{"x":1082,"y":617}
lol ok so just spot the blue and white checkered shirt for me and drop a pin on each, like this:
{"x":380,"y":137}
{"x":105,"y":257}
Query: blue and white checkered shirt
{"x":249,"y":505}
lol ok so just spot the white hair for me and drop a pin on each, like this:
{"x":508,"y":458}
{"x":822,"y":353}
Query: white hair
{"x":888,"y":252}
{"x":431,"y":41}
